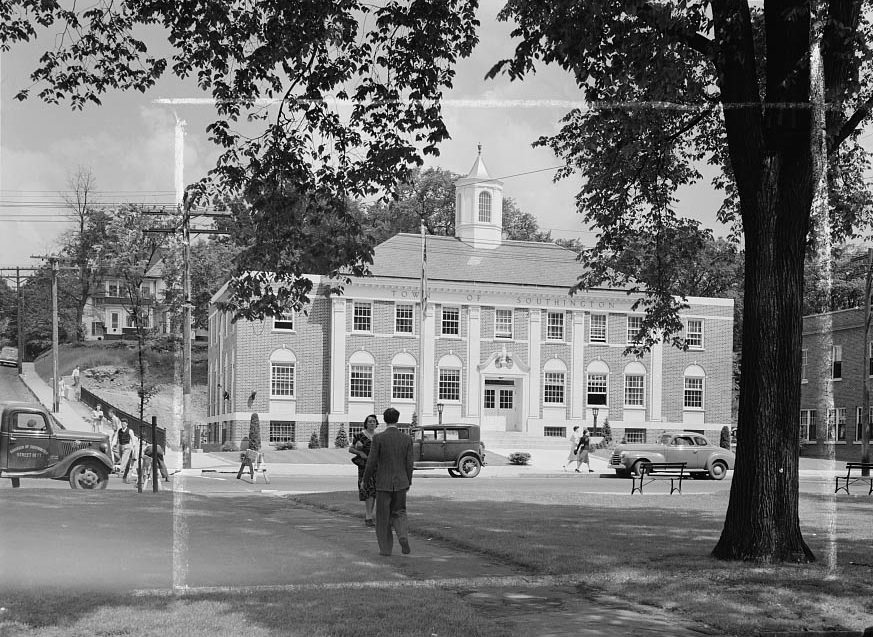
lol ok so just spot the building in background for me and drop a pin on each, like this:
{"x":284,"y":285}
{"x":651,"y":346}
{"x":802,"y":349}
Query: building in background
{"x":502,"y":343}
{"x":834,"y":362}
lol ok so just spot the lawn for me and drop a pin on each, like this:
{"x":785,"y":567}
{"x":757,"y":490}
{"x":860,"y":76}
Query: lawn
{"x":654,"y":551}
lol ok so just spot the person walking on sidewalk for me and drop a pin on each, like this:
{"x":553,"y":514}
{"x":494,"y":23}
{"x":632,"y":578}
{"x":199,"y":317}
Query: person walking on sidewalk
{"x":575,"y":437}
{"x":97,"y":418}
{"x":390,"y":462}
{"x":76,"y":386}
{"x":584,"y":447}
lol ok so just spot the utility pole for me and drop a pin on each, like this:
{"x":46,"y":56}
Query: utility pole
{"x":187,"y":426}
{"x":20,"y":322}
{"x":55,"y":398}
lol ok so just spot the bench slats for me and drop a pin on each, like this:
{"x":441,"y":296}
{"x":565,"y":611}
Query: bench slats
{"x":651,"y":471}
{"x":848,"y":479}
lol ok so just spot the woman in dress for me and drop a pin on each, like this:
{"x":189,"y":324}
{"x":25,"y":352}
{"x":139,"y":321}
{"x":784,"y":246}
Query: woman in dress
{"x":361,"y":448}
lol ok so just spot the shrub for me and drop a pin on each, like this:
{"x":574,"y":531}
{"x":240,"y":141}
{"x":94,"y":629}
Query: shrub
{"x":519,"y":457}
{"x":229,"y":446}
{"x":607,"y":432}
{"x":254,"y":433}
{"x":341,"y":441}
{"x":314,"y":442}
{"x":283,"y":446}
{"x":725,"y":440}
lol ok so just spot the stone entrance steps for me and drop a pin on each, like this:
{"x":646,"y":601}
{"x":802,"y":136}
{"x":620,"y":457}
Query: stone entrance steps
{"x":521,"y":441}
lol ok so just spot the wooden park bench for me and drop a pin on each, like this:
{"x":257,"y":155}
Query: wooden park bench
{"x":860,"y":468}
{"x":651,"y":471}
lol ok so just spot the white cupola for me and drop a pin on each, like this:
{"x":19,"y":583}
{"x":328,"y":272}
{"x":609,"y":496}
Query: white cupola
{"x":479,"y":207}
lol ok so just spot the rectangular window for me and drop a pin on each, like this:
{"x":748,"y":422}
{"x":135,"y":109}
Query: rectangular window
{"x":596,"y":389}
{"x":837,"y":361}
{"x":450,"y":384}
{"x":808,"y":425}
{"x":555,"y":432}
{"x":282,"y":430}
{"x":362,"y":317}
{"x":555,"y":326}
{"x":804,"y":363}
{"x":634,"y":325}
{"x":634,"y":390}
{"x":859,"y":423}
{"x":489,"y":399}
{"x":403,"y":318}
{"x":450,"y":321}
{"x":836,"y":424}
{"x":113,"y":320}
{"x":361,"y":381}
{"x":282,"y":380}
{"x":693,"y":393}
{"x":503,"y":323}
{"x":694,"y":333}
{"x":553,"y":388}
{"x":598,"y":328}
{"x":112,"y":289}
{"x":506,"y":396}
{"x":403,"y":383}
{"x":634,"y":436}
{"x":284,"y":322}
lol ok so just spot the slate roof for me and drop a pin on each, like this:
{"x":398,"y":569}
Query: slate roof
{"x":450,"y":259}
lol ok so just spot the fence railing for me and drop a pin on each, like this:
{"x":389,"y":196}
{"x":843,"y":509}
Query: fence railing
{"x":142,"y":428}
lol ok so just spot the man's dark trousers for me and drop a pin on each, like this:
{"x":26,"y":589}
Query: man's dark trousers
{"x":391,"y":513}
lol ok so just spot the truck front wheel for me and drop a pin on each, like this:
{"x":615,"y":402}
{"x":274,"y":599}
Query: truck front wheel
{"x":88,"y":475}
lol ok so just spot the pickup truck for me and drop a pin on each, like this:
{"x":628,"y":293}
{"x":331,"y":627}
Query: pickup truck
{"x":35,"y":445}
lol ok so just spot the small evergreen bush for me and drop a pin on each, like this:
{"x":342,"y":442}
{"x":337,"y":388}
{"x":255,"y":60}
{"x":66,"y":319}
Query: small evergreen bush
{"x":341,"y":441}
{"x":229,"y":446}
{"x":254,"y":433}
{"x":725,"y":439}
{"x":607,"y":432}
{"x":283,"y":446}
{"x":314,"y":442}
{"x":519,"y":457}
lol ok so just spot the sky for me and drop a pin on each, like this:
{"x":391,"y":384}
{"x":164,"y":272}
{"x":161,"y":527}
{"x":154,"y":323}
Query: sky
{"x":128,"y":144}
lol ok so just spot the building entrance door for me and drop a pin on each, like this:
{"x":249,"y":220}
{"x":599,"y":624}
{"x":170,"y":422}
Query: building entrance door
{"x":500,"y":406}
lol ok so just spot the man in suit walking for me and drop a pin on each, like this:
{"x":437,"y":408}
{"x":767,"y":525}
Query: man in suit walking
{"x":390,"y":461}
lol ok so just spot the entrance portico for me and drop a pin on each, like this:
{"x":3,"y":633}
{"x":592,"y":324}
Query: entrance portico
{"x":504,"y":382}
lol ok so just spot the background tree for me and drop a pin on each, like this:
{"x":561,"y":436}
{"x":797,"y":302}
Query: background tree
{"x":83,"y":242}
{"x":210,"y":262}
{"x":132,"y":254}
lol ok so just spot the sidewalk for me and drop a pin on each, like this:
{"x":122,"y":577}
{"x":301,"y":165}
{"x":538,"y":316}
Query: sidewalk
{"x":72,"y":414}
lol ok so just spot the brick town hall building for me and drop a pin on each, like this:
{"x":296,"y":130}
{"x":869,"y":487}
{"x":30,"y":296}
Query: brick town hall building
{"x":503,"y":345}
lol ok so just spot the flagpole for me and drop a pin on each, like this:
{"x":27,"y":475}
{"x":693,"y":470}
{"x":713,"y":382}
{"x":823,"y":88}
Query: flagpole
{"x":421,"y":317}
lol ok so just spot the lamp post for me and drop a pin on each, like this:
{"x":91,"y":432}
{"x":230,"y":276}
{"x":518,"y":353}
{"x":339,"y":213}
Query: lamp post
{"x":595,"y":411}
{"x":440,"y":412}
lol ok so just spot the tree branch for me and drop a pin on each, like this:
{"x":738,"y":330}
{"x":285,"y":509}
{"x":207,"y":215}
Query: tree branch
{"x":851,"y":124}
{"x":653,"y":17}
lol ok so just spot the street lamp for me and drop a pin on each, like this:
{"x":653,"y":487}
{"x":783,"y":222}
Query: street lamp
{"x":440,"y":412}
{"x":595,"y":411}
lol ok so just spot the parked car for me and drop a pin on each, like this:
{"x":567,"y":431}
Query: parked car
{"x":34,"y":445}
{"x":455,"y":447}
{"x":702,"y":457}
{"x":9,"y":356}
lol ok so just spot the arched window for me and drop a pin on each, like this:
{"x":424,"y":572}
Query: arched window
{"x":283,"y":373}
{"x":635,"y":384}
{"x":403,"y":377}
{"x":597,"y":383}
{"x":554,"y":381}
{"x":695,"y":379}
{"x":484,"y":207}
{"x":361,"y":366}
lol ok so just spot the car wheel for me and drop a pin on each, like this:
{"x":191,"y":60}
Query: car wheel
{"x":469,"y":466}
{"x":454,"y":473}
{"x":639,"y":467}
{"x":718,"y":470}
{"x":88,"y":475}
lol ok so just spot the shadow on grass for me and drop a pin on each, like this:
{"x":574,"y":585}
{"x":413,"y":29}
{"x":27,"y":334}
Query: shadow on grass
{"x":656,"y":551}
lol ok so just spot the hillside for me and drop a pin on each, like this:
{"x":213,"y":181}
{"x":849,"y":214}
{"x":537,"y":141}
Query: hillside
{"x":109,"y":370}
